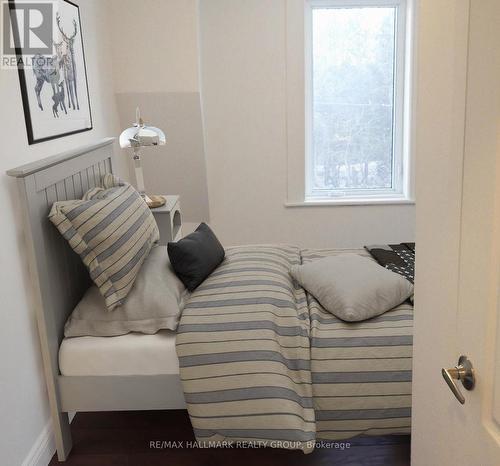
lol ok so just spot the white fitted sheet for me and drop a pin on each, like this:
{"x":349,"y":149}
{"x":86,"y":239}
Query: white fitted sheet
{"x":131,"y":354}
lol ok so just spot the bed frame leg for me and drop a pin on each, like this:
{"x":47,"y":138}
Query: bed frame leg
{"x":62,"y":434}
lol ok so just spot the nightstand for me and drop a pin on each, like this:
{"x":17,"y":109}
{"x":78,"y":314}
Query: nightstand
{"x":168,"y":218}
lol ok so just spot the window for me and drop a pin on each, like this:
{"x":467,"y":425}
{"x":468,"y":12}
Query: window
{"x":355,"y":102}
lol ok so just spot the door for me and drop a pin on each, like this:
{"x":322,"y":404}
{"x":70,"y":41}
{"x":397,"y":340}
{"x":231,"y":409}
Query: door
{"x":457,"y":147}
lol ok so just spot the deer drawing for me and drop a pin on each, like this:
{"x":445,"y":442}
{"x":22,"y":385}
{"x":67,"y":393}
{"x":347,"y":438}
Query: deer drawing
{"x":68,"y":63}
{"x":63,"y":60}
{"x":58,"y":99}
{"x":46,"y":70}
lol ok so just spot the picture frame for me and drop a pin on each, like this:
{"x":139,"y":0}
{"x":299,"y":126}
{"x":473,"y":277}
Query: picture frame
{"x":54,"y":86}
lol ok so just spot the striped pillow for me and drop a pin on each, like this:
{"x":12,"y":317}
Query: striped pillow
{"x":112,"y":229}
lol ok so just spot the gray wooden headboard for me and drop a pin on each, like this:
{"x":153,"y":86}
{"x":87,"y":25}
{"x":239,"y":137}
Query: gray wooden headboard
{"x":58,"y":275}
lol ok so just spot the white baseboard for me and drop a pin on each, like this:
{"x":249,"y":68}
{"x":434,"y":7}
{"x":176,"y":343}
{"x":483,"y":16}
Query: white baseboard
{"x":44,"y":447}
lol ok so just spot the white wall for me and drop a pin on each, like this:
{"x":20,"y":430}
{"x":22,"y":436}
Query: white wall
{"x":155,"y":45}
{"x":23,"y":404}
{"x":243,"y":79}
{"x":156,"y":67}
{"x":233,"y":54}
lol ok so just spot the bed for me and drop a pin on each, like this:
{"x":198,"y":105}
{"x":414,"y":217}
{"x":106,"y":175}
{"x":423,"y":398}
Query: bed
{"x":255,"y":357}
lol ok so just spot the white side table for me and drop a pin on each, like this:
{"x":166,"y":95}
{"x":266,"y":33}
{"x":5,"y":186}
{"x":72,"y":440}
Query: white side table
{"x":169,"y":220}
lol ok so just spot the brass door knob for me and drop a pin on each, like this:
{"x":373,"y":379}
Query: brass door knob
{"x":464,"y":372}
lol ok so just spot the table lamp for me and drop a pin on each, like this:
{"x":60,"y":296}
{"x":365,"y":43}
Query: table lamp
{"x":136,"y":137}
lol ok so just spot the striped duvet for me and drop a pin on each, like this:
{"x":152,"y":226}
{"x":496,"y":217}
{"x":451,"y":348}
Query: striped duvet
{"x":262,"y":362}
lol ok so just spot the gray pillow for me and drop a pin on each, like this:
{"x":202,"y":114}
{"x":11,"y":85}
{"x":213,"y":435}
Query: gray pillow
{"x":155,"y":302}
{"x":352,"y":287}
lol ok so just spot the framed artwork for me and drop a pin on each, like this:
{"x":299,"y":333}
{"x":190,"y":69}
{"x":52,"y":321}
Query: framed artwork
{"x":54,"y":84}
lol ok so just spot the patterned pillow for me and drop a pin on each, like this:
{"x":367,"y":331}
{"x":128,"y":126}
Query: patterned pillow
{"x":112,"y":229}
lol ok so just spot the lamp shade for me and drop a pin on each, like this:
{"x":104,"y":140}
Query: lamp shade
{"x":141,"y":135}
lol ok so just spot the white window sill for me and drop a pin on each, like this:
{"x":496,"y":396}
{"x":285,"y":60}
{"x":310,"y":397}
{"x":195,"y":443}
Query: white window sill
{"x":351,"y":202}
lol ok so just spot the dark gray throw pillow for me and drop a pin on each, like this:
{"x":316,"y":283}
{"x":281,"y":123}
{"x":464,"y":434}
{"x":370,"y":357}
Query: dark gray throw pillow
{"x":195,"y":257}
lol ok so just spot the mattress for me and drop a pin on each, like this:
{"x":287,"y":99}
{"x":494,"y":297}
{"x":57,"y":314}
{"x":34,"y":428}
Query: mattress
{"x":131,"y":354}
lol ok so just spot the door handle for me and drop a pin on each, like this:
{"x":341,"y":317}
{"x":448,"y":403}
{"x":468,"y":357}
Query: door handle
{"x":464,"y":372}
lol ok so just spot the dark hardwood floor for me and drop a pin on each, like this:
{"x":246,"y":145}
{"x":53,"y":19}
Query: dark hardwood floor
{"x":124,"y":438}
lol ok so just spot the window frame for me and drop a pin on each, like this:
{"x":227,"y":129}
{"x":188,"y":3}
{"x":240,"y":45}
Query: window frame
{"x":401,"y":191}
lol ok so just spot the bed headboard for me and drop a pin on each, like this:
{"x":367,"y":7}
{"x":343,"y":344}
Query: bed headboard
{"x":58,"y":275}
